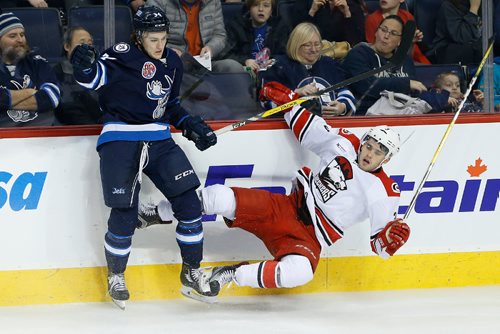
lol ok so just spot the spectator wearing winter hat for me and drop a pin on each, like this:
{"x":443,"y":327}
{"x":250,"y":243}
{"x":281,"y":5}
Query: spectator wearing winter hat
{"x":29,"y":91}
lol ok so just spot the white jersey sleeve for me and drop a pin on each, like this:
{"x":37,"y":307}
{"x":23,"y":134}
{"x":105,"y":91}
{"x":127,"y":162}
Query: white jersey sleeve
{"x":316,"y":135}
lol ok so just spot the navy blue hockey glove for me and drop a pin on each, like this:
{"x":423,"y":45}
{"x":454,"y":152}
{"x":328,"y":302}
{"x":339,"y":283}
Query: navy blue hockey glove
{"x":196,"y":130}
{"x":83,"y":57}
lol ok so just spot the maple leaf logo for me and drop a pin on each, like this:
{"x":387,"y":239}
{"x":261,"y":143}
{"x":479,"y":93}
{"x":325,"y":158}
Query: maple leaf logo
{"x":477,"y":169}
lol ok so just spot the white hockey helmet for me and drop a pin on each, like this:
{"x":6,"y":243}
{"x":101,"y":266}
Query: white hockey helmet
{"x":385,"y":136}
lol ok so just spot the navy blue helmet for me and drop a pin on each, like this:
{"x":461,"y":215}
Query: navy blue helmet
{"x":150,"y":19}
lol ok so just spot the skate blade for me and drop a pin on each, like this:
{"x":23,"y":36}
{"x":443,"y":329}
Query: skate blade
{"x":119,"y":303}
{"x":191,"y":293}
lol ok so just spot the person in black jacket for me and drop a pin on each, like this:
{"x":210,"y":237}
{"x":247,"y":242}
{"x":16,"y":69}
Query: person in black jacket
{"x":337,"y":20}
{"x":255,"y":37}
{"x":365,"y":57}
{"x":458,"y":33}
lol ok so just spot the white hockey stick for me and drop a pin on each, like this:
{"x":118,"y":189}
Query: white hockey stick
{"x":396,"y":61}
{"x":448,"y":130}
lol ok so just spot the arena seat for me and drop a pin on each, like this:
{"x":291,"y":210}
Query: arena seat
{"x":284,"y":10}
{"x":43,"y":30}
{"x":92,"y":19}
{"x":230,"y":10}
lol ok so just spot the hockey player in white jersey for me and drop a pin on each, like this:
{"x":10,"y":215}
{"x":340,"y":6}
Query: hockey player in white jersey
{"x":350,"y":187}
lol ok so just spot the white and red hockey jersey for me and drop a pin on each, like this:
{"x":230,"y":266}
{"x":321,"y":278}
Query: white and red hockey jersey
{"x":340,"y":194}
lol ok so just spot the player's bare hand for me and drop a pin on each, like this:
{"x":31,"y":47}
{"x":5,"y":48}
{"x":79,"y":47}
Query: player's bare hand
{"x":252,"y":64}
{"x":478,"y":95}
{"x":342,"y":6}
{"x":418,"y":86}
{"x":419,"y":36}
{"x":206,"y":49}
{"x":453,"y":102}
{"x":316,"y":5}
{"x":334,"y":108}
{"x":307,"y":89}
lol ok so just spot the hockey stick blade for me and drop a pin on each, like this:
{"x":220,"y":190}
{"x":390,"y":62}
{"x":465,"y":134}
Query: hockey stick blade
{"x":396,"y":61}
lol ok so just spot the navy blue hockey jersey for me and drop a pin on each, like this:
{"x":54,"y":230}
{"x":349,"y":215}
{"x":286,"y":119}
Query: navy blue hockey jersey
{"x":32,"y":71}
{"x":139,"y":95}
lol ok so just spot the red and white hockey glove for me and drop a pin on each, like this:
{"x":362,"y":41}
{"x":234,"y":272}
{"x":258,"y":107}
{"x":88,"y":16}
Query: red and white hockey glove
{"x":391,"y":238}
{"x":277,"y":93}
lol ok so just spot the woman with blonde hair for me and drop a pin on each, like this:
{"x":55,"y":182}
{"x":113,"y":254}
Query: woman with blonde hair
{"x":306,"y":71}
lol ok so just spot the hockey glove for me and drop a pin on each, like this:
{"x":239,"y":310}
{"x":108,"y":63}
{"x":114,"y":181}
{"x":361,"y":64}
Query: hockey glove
{"x":196,"y":130}
{"x":280,"y":94}
{"x":83,"y":57}
{"x":391,"y":238}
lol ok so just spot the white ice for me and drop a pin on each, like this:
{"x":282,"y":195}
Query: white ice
{"x":454,"y":310}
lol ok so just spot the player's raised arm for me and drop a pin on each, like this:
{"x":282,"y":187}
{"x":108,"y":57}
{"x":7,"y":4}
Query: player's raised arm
{"x":311,"y":130}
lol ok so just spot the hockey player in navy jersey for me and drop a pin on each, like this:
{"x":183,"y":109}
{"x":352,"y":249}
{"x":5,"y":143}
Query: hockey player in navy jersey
{"x":138,"y":88}
{"x":349,"y":187}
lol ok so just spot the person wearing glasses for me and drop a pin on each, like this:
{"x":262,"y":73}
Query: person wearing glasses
{"x":305,"y":71}
{"x":365,"y":57}
{"x":393,"y":7}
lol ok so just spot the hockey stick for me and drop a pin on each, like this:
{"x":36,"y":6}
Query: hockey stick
{"x":448,"y":129}
{"x":396,"y":61}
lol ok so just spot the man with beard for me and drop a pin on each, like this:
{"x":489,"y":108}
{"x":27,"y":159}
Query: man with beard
{"x":29,"y":91}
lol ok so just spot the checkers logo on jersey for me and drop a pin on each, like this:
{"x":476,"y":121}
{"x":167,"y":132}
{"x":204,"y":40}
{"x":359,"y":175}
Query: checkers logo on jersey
{"x":148,"y":70}
{"x":333,"y":178}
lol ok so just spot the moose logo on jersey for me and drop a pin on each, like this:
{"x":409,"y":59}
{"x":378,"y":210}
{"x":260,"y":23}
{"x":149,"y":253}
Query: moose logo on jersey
{"x":333,"y":178}
{"x":155,"y":91}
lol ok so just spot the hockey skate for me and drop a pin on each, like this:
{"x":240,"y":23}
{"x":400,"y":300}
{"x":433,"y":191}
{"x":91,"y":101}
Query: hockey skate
{"x":221,"y":276}
{"x":117,"y":289}
{"x":148,"y":215}
{"x":195,"y":284}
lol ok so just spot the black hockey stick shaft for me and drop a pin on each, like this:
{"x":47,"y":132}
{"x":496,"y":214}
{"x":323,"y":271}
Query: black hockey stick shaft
{"x":396,"y":61}
{"x":448,"y":129}
{"x":193,"y":66}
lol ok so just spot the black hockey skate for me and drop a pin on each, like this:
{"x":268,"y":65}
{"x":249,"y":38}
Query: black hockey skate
{"x":221,"y":276}
{"x":148,"y":215}
{"x":195,"y":284}
{"x":117,"y":289}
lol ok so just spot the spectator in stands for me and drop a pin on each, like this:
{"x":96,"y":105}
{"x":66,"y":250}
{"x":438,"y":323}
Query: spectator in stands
{"x":255,"y":37}
{"x":365,"y":57}
{"x":306,"y":71}
{"x":450,"y":82}
{"x":29,"y":91}
{"x":393,"y":7}
{"x":197,"y":27}
{"x":496,"y":83}
{"x":458,"y":33}
{"x":78,"y":105}
{"x":337,"y":20}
